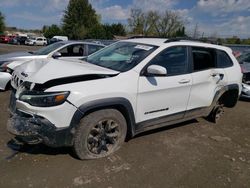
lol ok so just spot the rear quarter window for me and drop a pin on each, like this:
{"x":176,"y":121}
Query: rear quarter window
{"x":223,"y":59}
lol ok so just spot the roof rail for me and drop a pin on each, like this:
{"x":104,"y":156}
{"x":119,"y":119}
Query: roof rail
{"x":140,"y":36}
{"x":176,"y":39}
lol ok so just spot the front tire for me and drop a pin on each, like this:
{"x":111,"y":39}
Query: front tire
{"x":99,"y":134}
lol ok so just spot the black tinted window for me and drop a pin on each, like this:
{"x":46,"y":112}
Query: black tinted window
{"x":72,"y":50}
{"x":223,"y":60}
{"x":174,"y":59}
{"x":93,"y":48}
{"x":203,"y":58}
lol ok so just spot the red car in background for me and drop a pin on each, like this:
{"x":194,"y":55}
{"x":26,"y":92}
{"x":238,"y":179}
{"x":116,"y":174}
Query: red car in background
{"x":5,"y":38}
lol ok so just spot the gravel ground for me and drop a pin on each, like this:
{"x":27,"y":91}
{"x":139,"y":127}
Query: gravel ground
{"x":191,"y":154}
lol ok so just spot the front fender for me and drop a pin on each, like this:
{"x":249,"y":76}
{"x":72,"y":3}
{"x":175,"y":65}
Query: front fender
{"x":121,"y":104}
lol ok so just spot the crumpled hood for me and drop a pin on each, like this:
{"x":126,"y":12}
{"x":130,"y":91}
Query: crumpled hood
{"x":14,"y":64}
{"x":41,"y":71}
{"x":14,"y":56}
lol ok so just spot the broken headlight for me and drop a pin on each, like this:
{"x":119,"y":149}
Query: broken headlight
{"x":44,"y":99}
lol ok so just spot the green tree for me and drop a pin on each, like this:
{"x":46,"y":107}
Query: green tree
{"x":2,"y":23}
{"x":118,"y":29}
{"x":79,"y":17}
{"x":50,"y":31}
{"x":233,"y":40}
{"x":114,"y":29}
{"x":96,"y":32}
{"x":180,"y":32}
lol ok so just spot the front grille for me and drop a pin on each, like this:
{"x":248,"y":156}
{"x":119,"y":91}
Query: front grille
{"x":16,"y":80}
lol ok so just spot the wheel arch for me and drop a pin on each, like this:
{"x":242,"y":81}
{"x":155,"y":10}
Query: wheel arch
{"x":228,"y":96}
{"x":120,"y":104}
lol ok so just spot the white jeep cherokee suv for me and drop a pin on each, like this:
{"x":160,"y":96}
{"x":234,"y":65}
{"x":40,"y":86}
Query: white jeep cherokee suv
{"x":124,"y":89}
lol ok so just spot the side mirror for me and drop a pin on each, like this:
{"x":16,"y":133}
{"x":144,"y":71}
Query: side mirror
{"x":156,"y":70}
{"x":56,"y":55}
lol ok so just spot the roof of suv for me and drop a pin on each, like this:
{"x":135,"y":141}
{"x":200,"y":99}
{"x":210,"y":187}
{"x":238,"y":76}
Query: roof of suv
{"x":78,"y":41}
{"x":149,"y":41}
{"x":162,"y":41}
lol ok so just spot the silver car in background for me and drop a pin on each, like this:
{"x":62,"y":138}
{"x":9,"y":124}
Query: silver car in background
{"x":244,"y":60}
{"x":59,"y":50}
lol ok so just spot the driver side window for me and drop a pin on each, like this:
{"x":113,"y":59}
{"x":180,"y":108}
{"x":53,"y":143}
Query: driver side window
{"x":174,"y":59}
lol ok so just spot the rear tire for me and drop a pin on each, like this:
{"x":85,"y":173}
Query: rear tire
{"x":99,"y":134}
{"x":216,"y":113}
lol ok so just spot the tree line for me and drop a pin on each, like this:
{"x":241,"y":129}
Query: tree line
{"x":80,"y":21}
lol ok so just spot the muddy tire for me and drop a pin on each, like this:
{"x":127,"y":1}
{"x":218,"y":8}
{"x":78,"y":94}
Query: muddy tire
{"x":99,"y":134}
{"x":216,"y":113}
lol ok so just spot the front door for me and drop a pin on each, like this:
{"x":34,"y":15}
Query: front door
{"x":160,"y":96}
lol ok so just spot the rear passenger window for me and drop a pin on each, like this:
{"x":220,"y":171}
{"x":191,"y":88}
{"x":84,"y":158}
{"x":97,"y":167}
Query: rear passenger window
{"x":174,"y":59}
{"x":223,"y":60}
{"x":203,"y":58}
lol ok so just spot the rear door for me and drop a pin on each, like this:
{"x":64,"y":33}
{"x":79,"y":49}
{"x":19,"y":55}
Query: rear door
{"x":207,"y":78}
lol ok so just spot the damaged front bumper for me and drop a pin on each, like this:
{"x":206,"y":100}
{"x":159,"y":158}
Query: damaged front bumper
{"x":34,"y":129}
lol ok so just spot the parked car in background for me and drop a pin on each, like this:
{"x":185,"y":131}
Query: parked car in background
{"x":57,"y":39}
{"x":244,"y":61}
{"x":36,"y":41}
{"x":4,"y":38}
{"x":18,"y":40}
{"x":59,"y":50}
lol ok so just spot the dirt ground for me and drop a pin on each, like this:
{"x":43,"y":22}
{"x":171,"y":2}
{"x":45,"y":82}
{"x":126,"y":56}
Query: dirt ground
{"x":192,"y":154}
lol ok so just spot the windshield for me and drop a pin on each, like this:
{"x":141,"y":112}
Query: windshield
{"x":50,"y":48}
{"x":121,"y":56}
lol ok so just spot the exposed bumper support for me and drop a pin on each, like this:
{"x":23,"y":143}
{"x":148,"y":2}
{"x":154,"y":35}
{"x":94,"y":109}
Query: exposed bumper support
{"x":34,"y":129}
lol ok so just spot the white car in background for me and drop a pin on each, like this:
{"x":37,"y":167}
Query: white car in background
{"x":37,"y":41}
{"x":60,"y":50}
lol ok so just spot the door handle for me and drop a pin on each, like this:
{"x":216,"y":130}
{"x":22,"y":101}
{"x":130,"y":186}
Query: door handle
{"x":184,"y":81}
{"x":221,"y":75}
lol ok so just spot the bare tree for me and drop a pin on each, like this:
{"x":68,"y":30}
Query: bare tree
{"x":136,"y":21}
{"x":196,"y":32}
{"x":153,"y":23}
{"x":168,"y":24}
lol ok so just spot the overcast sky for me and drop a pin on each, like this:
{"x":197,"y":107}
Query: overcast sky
{"x":214,"y":17}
